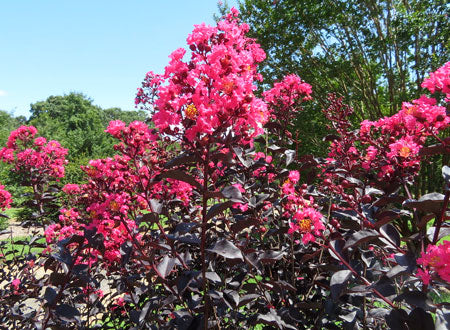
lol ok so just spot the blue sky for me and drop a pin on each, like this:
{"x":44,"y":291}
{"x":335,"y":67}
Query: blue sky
{"x":99,"y":48}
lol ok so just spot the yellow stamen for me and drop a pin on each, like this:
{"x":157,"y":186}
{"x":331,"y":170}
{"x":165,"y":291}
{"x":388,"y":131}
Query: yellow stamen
{"x":228,"y":87}
{"x":114,"y":206}
{"x":191,"y":111}
{"x":434,"y":260}
{"x":411,"y":110}
{"x":92,"y":171}
{"x":404,"y":152}
{"x":305,"y":225}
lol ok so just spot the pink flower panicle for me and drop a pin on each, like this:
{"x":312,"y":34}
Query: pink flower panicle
{"x":36,"y":156}
{"x":439,"y":81}
{"x":435,"y":261}
{"x":213,"y":92}
{"x":304,"y":218}
{"x":5,"y":198}
{"x":118,"y":189}
{"x":289,"y":92}
{"x":391,"y":146}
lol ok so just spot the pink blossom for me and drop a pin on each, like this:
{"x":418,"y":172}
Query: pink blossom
{"x":294,"y":176}
{"x":15,"y":283}
{"x":435,"y":261}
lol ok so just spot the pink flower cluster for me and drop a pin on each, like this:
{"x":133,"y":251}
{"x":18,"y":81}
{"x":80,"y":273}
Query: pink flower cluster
{"x":15,"y":285}
{"x":213,"y":92}
{"x":24,"y":134}
{"x":287,"y":93}
{"x":5,"y":198}
{"x":399,"y":138}
{"x":435,"y":261}
{"x":119,"y":189}
{"x":34,"y":158}
{"x":391,"y":145}
{"x":306,"y":220}
{"x":439,"y":81}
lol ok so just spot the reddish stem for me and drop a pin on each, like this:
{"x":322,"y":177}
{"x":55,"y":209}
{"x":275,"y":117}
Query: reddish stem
{"x":386,"y":300}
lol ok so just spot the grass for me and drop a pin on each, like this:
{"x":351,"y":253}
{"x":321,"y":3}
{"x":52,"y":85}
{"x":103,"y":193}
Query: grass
{"x":10,"y":248}
{"x":441,"y":297}
{"x":11,"y":213}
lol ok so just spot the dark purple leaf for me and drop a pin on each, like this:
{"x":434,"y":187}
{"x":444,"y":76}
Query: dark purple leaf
{"x":385,"y":286}
{"x":166,"y":266}
{"x":183,"y":159}
{"x":354,"y":181}
{"x":442,"y":318}
{"x":218,"y":208}
{"x":349,"y":317}
{"x":283,"y":285}
{"x":239,"y":154}
{"x":396,"y":319}
{"x":213,"y":277}
{"x":232,"y":193}
{"x":443,"y":231}
{"x":346,"y":215}
{"x":151,"y":217}
{"x":247,"y":298}
{"x":125,"y":251}
{"x":331,"y":138}
{"x":226,"y":249}
{"x":372,"y":191}
{"x":378,"y":312}
{"x":156,"y":206}
{"x":181,"y":176}
{"x":384,"y":200}
{"x":429,"y":203}
{"x":391,"y":234}
{"x":273,"y":319}
{"x":96,"y":240}
{"x":271,"y":256}
{"x":420,"y":320}
{"x":385,"y":217}
{"x":232,"y":297}
{"x":338,"y":283}
{"x":290,"y":156}
{"x":338,"y":245}
{"x":50,"y":295}
{"x":67,"y":313}
{"x":185,"y":279}
{"x":63,"y":255}
{"x":360,"y":237}
{"x":189,"y":239}
{"x":80,"y":269}
{"x":415,"y":298}
{"x":185,"y":227}
{"x":408,"y":260}
{"x":244,"y":223}
{"x":368,"y":257}
{"x":143,"y":314}
{"x":446,"y":174}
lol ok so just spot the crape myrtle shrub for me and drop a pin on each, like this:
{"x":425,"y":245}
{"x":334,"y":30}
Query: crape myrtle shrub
{"x":210,"y":220}
{"x":38,"y":165}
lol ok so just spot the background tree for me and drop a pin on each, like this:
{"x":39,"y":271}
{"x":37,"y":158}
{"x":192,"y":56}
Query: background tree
{"x":373,"y":53}
{"x":8,"y":123}
{"x":79,"y":125}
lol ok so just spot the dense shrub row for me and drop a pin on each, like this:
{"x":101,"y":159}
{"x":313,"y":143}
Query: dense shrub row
{"x":209,"y":219}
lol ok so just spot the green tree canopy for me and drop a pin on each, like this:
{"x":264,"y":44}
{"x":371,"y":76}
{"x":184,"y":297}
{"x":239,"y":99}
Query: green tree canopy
{"x":78,"y":125}
{"x":8,"y":123}
{"x":375,"y":53}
